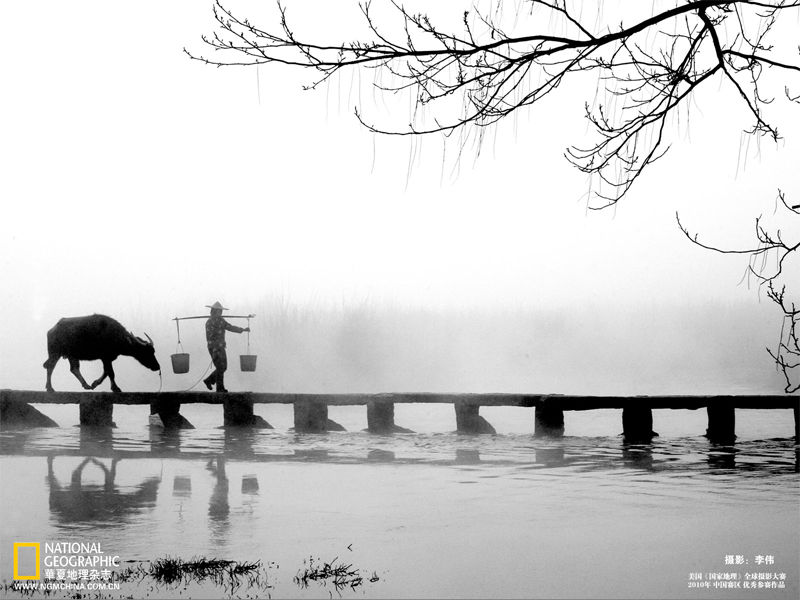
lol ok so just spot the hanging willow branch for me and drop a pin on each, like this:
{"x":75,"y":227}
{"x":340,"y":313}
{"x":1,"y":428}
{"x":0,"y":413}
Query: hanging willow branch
{"x":648,"y":69}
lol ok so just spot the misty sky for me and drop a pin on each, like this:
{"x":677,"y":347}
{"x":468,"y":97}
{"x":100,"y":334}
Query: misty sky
{"x":141,"y":184}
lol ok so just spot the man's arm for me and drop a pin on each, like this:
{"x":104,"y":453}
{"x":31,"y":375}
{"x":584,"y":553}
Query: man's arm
{"x":234,"y":328}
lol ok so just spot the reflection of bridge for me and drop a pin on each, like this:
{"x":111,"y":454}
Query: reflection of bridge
{"x":245,"y":446}
{"x":311,"y":410}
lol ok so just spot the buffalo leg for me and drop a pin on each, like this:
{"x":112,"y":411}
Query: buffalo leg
{"x":100,"y":379}
{"x":108,"y":369}
{"x":50,"y":364}
{"x":75,"y":369}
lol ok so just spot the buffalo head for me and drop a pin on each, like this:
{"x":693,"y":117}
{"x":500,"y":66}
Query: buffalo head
{"x":146,"y":353}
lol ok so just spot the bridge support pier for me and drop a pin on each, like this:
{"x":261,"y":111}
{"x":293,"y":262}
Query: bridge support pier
{"x":468,"y":420}
{"x":380,"y":418}
{"x":21,"y":414}
{"x":637,"y":425}
{"x":311,"y":416}
{"x":721,"y":424}
{"x":168,"y":411}
{"x":96,"y":411}
{"x":797,"y":424}
{"x":548,"y":421}
{"x":237,"y":411}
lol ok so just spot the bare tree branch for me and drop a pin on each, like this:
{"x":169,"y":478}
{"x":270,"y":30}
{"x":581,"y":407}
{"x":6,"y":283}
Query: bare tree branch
{"x":770,"y":242}
{"x":647,"y":68}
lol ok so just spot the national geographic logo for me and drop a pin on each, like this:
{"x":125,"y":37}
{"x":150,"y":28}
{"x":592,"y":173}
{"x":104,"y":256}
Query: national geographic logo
{"x":63,"y":566}
{"x":26,"y":560}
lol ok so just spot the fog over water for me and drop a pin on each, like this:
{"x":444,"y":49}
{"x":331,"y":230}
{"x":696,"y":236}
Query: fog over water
{"x":154,"y":185}
{"x":588,"y":350}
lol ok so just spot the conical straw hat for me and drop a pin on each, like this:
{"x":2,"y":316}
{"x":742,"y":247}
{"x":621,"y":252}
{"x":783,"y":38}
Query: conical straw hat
{"x":216,"y":305}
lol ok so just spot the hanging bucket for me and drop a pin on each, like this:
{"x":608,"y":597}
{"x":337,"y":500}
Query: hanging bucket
{"x":180,"y":362}
{"x":247,"y":362}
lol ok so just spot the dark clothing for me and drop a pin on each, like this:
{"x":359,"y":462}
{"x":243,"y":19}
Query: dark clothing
{"x":215,"y":338}
{"x":215,"y":331}
{"x":217,"y":376}
{"x":219,"y":358}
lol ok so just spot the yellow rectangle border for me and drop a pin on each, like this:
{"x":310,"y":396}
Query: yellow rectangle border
{"x":17,"y":546}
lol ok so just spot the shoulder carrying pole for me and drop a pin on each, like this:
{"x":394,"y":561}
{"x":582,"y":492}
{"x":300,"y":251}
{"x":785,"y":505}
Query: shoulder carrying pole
{"x":208,"y":316}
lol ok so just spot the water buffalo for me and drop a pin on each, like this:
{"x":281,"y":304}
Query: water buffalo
{"x":95,"y":337}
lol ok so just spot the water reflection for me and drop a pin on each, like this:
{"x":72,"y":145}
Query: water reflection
{"x":550,"y":457}
{"x":378,"y":455}
{"x":165,"y":441}
{"x":218,"y":504}
{"x":314,"y":454}
{"x":182,"y":486}
{"x":583,"y":453}
{"x":638,"y":456}
{"x":272,"y":495}
{"x":102,"y":504}
{"x":467,"y":456}
{"x":96,"y":441}
{"x":722,"y":456}
{"x":216,"y":481}
{"x":250,"y":485}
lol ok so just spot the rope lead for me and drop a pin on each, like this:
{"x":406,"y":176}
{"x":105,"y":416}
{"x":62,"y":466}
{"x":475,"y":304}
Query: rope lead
{"x":178,"y":326}
{"x":248,"y":335}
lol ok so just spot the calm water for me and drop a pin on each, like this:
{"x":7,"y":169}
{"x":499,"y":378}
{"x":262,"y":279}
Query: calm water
{"x":429,"y":514}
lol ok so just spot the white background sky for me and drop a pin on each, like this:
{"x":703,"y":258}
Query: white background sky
{"x":144,"y":185}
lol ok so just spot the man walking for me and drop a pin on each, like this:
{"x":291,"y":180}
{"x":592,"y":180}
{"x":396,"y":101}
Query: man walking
{"x":216,"y":327}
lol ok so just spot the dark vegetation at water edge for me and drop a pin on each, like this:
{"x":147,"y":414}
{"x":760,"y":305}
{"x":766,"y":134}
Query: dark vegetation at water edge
{"x":175,"y":572}
{"x":339,"y":574}
{"x":171,"y":575}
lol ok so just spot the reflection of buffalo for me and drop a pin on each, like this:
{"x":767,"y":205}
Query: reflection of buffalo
{"x":95,"y":337}
{"x":97,"y":503}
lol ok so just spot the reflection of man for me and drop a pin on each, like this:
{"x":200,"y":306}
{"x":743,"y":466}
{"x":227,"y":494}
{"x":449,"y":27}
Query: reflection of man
{"x":218,"y":503}
{"x":218,"y":507}
{"x":216,"y":327}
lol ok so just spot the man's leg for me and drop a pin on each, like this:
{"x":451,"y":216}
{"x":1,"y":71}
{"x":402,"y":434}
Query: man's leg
{"x":212,"y":377}
{"x":222,"y":365}
{"x":209,"y":381}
